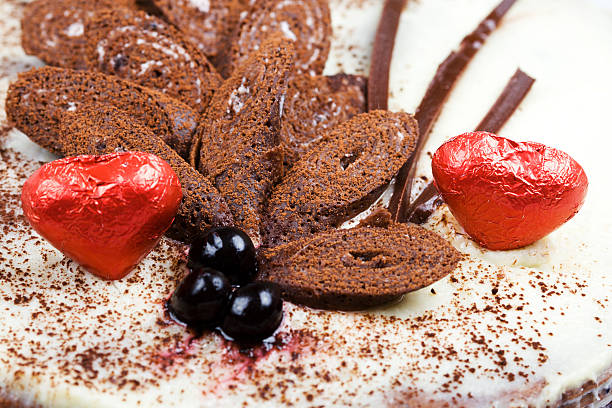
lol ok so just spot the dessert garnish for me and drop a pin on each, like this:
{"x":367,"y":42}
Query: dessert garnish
{"x":255,"y":312}
{"x":514,"y":92}
{"x":148,"y":51}
{"x":238,"y":140}
{"x":437,"y":93}
{"x":104,"y":212}
{"x":54,"y":30}
{"x":101,"y":129}
{"x":39,"y":98}
{"x":511,"y":97}
{"x":378,"y":89}
{"x":507,"y":194}
{"x":315,"y":104}
{"x":347,"y":172}
{"x":201,"y":298}
{"x":226,"y":249}
{"x":306,"y":23}
{"x":353,"y":269}
{"x":205,"y":298}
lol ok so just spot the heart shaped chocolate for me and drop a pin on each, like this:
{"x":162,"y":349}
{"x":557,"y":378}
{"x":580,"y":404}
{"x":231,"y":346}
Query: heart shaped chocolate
{"x":507,"y":194}
{"x":105,"y":212}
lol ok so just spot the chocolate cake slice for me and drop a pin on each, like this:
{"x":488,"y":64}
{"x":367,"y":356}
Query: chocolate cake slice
{"x":150,"y":52}
{"x":37,"y":100}
{"x":238,"y":139}
{"x":358,"y":268}
{"x":207,"y":24}
{"x":316,"y":103}
{"x":100,"y":129}
{"x":342,"y":177}
{"x":307,"y":23}
{"x":53,"y":30}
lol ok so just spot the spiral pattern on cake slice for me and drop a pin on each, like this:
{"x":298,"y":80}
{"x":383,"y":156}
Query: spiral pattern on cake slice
{"x":317,"y":103}
{"x":238,"y":140}
{"x":144,"y":49}
{"x":358,"y":268}
{"x":101,"y":129}
{"x":53,"y":30}
{"x":307,"y":23}
{"x":206,"y":23}
{"x":37,"y":100}
{"x":342,"y":177}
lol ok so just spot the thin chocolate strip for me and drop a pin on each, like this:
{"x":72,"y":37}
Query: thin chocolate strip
{"x":440,"y":87}
{"x":511,"y":97}
{"x":378,"y":85}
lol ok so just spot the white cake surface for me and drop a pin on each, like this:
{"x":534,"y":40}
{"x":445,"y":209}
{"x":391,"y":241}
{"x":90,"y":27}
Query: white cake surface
{"x":506,"y":329}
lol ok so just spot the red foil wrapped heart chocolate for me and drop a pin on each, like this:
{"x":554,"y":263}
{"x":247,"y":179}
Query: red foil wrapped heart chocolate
{"x":507,"y":194}
{"x":105,"y":212}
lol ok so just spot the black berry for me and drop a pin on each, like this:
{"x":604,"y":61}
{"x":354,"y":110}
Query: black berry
{"x":201,"y":298}
{"x":254,"y":313}
{"x":228,"y":250}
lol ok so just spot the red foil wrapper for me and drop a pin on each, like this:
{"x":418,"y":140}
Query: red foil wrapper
{"x":507,"y":194}
{"x":105,"y":212}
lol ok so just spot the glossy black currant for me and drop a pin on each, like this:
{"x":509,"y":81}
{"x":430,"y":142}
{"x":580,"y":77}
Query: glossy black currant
{"x":201,"y":298}
{"x":226,"y":249}
{"x":255,"y":312}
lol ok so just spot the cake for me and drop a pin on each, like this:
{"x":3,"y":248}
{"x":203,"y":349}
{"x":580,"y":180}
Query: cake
{"x":528,"y":327}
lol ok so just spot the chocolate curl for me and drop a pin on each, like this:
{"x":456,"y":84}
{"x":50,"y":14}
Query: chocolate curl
{"x":378,"y":85}
{"x":440,"y":87}
{"x":505,"y":105}
{"x":511,"y":97}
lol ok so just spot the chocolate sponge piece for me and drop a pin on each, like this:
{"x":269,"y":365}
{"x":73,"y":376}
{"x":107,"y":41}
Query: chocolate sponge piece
{"x":342,"y":177}
{"x":37,"y":100}
{"x":307,"y":23}
{"x":239,"y":137}
{"x":102,"y":129}
{"x":144,"y":49}
{"x":207,"y":24}
{"x":358,"y":268}
{"x":317,"y":103}
{"x":53,"y":30}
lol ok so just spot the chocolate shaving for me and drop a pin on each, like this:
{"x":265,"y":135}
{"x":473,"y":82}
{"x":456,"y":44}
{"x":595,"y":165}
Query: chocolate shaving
{"x":511,"y":97}
{"x":424,"y":205}
{"x":440,"y":87}
{"x":378,"y":88}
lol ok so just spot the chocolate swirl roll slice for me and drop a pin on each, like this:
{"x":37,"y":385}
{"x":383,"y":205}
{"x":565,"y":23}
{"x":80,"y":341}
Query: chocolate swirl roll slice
{"x":307,"y":23}
{"x":53,"y":30}
{"x":206,"y":23}
{"x":37,"y":100}
{"x":239,"y":137}
{"x":342,"y":177}
{"x":317,"y":103}
{"x":144,"y":49}
{"x":101,"y":129}
{"x":358,"y":268}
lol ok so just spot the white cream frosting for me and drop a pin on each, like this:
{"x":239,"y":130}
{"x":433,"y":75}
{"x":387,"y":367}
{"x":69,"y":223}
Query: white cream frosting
{"x":542,"y":311}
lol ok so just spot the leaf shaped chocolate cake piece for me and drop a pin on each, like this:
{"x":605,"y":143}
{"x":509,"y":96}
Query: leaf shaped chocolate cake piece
{"x":101,"y":129}
{"x":54,"y":30}
{"x":353,"y":269}
{"x":342,"y":177}
{"x":307,"y":23}
{"x":148,"y":51}
{"x":207,"y":24}
{"x":317,"y":103}
{"x":37,"y":100}
{"x":238,"y":138}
